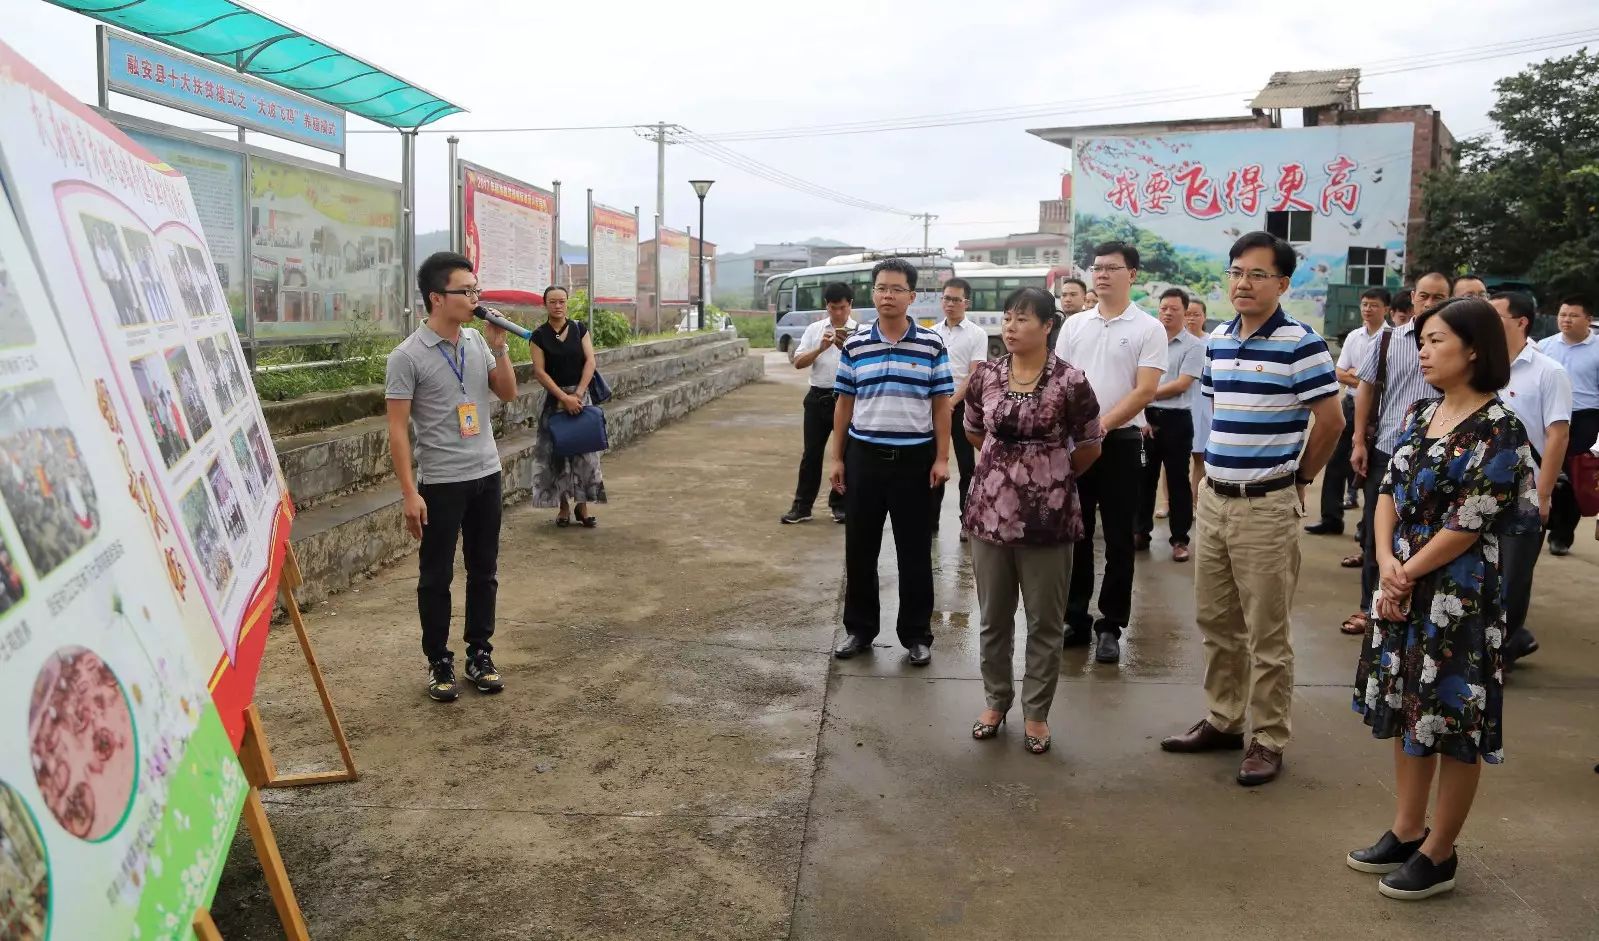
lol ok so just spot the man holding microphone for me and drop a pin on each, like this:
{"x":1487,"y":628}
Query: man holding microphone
{"x":440,"y":381}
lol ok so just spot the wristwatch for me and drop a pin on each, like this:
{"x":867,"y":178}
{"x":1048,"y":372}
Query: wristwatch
{"x":499,"y":351}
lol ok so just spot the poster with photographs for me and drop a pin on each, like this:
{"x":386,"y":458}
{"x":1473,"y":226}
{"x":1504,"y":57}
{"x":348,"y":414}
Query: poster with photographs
{"x":127,"y":264}
{"x":119,"y":789}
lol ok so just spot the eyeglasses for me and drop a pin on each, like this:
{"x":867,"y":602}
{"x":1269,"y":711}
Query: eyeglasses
{"x":1107,"y":269}
{"x":954,"y":300}
{"x":1255,"y":276}
{"x":466,"y":292}
{"x":891,"y":291}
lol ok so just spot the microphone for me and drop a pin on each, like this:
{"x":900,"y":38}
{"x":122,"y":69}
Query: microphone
{"x":483,"y":313}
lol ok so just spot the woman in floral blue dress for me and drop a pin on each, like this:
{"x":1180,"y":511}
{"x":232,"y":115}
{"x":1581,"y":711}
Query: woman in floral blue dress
{"x":1430,"y":674}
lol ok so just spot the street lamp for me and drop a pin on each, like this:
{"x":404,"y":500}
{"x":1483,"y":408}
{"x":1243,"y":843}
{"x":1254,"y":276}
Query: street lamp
{"x":701,"y":187}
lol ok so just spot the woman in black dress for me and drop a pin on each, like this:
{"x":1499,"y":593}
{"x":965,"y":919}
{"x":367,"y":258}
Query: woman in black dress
{"x":1430,"y":675}
{"x":563,"y":363}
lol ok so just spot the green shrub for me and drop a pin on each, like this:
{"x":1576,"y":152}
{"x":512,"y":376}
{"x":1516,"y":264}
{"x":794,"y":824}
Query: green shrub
{"x":611,"y":329}
{"x":756,"y":328}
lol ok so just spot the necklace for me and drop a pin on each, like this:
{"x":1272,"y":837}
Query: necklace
{"x":1452,"y":419}
{"x":1017,"y":380}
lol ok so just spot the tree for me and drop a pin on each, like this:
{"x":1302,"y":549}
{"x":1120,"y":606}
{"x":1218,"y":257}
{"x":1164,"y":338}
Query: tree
{"x":1524,"y":202}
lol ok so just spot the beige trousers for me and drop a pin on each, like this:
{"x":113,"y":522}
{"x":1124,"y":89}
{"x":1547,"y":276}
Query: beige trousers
{"x":1246,"y":567}
{"x":1038,"y":575}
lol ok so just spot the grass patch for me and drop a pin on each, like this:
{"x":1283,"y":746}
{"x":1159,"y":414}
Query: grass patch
{"x":759,"y":329}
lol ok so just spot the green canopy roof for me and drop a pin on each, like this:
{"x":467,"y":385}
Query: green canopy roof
{"x":239,"y":37}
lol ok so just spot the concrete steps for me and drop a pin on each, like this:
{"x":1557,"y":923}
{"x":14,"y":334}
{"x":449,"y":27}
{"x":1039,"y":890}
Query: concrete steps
{"x":351,"y":523}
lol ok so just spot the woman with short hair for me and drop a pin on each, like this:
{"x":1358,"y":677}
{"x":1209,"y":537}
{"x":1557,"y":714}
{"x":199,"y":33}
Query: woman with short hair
{"x":1035,"y":422}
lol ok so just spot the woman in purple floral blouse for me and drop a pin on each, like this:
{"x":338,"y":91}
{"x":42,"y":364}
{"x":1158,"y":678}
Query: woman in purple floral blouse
{"x":1036,"y":424}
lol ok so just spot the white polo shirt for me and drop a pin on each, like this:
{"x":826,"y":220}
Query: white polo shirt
{"x":1110,"y":352}
{"x":1539,"y":393}
{"x":825,"y":369}
{"x":966,"y":344}
{"x":1354,"y":350}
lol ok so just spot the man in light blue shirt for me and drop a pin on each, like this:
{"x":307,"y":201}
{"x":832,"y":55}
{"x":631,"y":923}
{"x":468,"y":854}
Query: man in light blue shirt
{"x":1576,"y":347}
{"x":1169,"y":436}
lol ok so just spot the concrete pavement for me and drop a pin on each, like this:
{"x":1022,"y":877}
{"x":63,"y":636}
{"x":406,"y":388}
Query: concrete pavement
{"x":677,"y":756}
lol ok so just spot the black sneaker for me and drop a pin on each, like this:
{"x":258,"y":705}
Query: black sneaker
{"x":1419,"y":878}
{"x":480,"y":670}
{"x":1385,"y":855}
{"x":441,"y":680}
{"x":797,"y":515}
{"x":838,"y":515}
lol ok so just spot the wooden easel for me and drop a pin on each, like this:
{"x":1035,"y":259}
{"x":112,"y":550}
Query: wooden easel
{"x":260,"y":770}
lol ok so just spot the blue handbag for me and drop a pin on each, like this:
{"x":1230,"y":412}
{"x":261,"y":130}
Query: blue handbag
{"x":583,"y":433}
{"x":599,"y":389}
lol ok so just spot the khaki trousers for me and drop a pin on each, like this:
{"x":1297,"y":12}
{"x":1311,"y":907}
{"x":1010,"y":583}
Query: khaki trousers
{"x":1246,"y":567}
{"x":1037,"y":574}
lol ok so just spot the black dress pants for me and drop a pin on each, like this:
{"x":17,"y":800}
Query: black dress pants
{"x":965,"y":460}
{"x":1563,"y":511}
{"x":469,"y":509}
{"x":886,"y":484}
{"x":1335,"y":482}
{"x":818,"y":428}
{"x":1170,"y":448}
{"x":1110,"y":488}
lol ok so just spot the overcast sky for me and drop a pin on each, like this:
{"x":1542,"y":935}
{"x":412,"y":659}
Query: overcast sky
{"x":740,"y":66}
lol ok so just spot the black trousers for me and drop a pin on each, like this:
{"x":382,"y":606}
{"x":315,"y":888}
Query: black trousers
{"x":1170,"y":448}
{"x":1111,"y":489}
{"x":1518,"y":555}
{"x":1335,"y":483}
{"x":1563,"y":511}
{"x":1370,"y":578}
{"x":965,"y":460}
{"x":470,"y":509}
{"x":818,"y":428}
{"x":888,"y":484}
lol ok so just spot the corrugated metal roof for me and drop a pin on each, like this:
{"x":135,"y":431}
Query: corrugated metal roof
{"x":1312,"y":89}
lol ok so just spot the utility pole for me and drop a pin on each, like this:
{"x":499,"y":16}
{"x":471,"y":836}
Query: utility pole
{"x":927,"y":223}
{"x":657,"y":132}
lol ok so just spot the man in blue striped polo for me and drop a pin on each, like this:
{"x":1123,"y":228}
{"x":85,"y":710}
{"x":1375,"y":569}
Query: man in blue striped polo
{"x":891,"y":434}
{"x":1268,"y":376}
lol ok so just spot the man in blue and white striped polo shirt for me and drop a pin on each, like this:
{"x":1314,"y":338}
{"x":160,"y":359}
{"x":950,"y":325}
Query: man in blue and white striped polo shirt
{"x":1268,"y":376}
{"x":891,"y":434}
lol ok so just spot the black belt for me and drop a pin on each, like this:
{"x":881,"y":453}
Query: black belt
{"x":1124,"y":434}
{"x":1252,"y":489}
{"x":883,"y":452}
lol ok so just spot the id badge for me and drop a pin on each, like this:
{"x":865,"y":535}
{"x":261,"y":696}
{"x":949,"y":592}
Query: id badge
{"x":466,"y":414}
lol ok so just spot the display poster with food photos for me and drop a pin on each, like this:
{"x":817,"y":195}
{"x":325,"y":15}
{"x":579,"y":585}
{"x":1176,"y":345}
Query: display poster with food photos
{"x":143,"y":523}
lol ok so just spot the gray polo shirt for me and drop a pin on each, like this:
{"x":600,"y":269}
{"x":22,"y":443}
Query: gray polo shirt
{"x":419,"y":371}
{"x":1185,"y":356}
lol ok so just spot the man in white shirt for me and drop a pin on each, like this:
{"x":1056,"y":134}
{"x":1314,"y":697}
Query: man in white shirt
{"x":1169,"y":436}
{"x":818,"y":351}
{"x":1337,"y":492}
{"x":967,"y":344}
{"x":1576,"y":347}
{"x":1539,"y":392}
{"x":1122,"y":350}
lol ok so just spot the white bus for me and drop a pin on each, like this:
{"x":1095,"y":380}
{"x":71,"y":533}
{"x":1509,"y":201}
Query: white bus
{"x":795,"y":297}
{"x":992,"y":283}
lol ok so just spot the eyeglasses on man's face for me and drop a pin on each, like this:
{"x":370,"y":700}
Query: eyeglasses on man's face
{"x":465,"y":292}
{"x":954,"y":299}
{"x":1107,"y":269}
{"x":890,"y":290}
{"x":1253,"y":275}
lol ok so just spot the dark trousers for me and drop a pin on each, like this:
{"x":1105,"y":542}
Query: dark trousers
{"x":888,"y":484}
{"x":1563,"y":511}
{"x":1370,"y":578}
{"x":1111,"y":488}
{"x":818,"y":428}
{"x":1335,"y":484}
{"x":1169,"y":448}
{"x":470,"y":509}
{"x":1517,"y":557}
{"x":965,"y":459}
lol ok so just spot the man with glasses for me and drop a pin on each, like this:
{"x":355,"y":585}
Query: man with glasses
{"x":1122,"y":350}
{"x":439,"y":382}
{"x":1270,"y":378}
{"x":1390,"y":382}
{"x":894,"y":388}
{"x":1469,"y":285}
{"x":966,"y":343}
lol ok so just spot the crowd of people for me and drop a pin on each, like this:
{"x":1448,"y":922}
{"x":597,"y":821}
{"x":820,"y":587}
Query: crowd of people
{"x":1439,"y":419}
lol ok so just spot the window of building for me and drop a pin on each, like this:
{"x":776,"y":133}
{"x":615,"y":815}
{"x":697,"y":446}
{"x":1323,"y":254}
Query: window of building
{"x":1367,"y":266}
{"x":1000,"y":256}
{"x":1292,"y":225}
{"x":974,"y":256}
{"x":1051,"y":256}
{"x":1026,"y":256}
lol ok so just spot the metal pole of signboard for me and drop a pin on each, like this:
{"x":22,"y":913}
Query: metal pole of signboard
{"x":555,"y":243}
{"x":102,"y":62}
{"x":456,"y":201}
{"x":247,"y":272}
{"x":657,"y":286}
{"x":408,"y":226}
{"x":591,"y":257}
{"x":636,"y":312}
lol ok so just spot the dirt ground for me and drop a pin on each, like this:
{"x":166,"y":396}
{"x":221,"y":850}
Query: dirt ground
{"x":676,"y":756}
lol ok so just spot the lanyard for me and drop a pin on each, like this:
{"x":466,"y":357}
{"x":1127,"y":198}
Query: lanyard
{"x":458,"y":370}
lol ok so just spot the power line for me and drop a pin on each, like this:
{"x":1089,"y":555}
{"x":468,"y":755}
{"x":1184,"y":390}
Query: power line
{"x":729,"y":157}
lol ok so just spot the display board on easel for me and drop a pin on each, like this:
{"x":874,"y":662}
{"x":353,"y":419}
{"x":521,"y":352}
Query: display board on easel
{"x":143,"y":538}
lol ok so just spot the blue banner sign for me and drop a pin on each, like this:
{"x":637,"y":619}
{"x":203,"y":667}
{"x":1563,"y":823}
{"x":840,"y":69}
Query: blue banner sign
{"x":145,"y":70}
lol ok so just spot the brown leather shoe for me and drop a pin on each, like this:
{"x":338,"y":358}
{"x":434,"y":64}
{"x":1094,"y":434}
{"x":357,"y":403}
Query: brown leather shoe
{"x":1203,"y":737}
{"x":1261,"y":765}
{"x":1180,"y":553}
